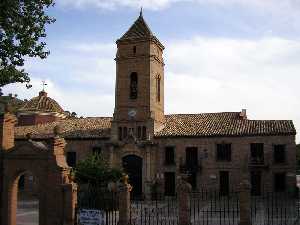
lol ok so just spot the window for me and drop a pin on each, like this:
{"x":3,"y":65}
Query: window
{"x":279,"y":182}
{"x":257,"y":153}
{"x":124,"y":132}
{"x":223,"y":152}
{"x":133,"y":86}
{"x":169,"y":156}
{"x":139,"y":133}
{"x":120,"y":133}
{"x":71,"y":159}
{"x":134,"y":50}
{"x":97,"y":150}
{"x":144,"y":133}
{"x":158,"y":88}
{"x":279,"y":153}
{"x":191,"y":157}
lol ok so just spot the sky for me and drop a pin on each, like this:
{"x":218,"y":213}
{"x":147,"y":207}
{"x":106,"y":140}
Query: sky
{"x":220,"y":56}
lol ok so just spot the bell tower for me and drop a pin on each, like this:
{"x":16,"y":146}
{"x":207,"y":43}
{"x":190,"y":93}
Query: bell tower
{"x":139,"y":91}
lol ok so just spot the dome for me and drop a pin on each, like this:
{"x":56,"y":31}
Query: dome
{"x":42,"y":103}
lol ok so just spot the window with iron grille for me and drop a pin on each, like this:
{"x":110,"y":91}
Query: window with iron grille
{"x":223,"y":152}
{"x":97,"y":150}
{"x":169,"y":155}
{"x":71,"y":159}
{"x":191,"y":156}
{"x":279,"y":182}
{"x":257,"y":153}
{"x":279,"y":153}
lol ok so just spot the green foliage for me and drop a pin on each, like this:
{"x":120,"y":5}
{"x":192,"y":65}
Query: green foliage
{"x":95,"y":170}
{"x":22,"y":25}
{"x":13,"y":102}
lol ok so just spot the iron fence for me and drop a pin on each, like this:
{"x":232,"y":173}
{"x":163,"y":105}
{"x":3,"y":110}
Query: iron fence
{"x":207,"y":207}
{"x":275,"y":209}
{"x":212,"y":208}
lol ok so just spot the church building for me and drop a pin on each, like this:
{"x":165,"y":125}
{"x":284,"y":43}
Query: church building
{"x":155,"y":148}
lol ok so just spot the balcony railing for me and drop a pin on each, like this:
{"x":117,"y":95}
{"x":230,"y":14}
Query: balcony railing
{"x":257,"y":161}
{"x":190,"y":168}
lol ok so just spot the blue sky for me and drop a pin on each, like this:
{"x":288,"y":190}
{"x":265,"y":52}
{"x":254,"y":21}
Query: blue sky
{"x":221,"y":55}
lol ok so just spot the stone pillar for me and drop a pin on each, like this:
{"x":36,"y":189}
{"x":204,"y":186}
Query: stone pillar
{"x":124,"y":202}
{"x":70,"y":202}
{"x":148,"y":174}
{"x":245,"y":202}
{"x":184,"y":202}
{"x":111,"y":156}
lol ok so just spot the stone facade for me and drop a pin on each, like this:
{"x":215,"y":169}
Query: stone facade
{"x":156,"y":148}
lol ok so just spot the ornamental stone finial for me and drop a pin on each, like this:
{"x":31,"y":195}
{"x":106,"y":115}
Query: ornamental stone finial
{"x":29,"y":136}
{"x":57,"y":130}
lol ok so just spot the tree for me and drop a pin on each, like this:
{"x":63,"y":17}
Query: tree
{"x":22,"y":26}
{"x":95,"y":170}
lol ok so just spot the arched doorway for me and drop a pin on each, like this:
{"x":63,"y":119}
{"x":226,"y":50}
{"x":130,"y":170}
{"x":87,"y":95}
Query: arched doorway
{"x":133,"y":166}
{"x":27,"y":199}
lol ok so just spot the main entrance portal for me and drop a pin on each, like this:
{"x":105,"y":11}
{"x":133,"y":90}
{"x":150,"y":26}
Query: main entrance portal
{"x":133,"y":166}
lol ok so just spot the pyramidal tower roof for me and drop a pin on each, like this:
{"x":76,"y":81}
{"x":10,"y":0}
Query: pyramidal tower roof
{"x":138,"y":30}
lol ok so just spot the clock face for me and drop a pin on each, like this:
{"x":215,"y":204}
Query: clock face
{"x":132,"y":113}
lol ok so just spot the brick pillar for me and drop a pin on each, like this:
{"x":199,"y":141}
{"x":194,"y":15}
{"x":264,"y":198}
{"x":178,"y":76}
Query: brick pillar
{"x":245,"y":202}
{"x":7,"y":131}
{"x":124,"y":202}
{"x":7,"y":141}
{"x":184,"y":202}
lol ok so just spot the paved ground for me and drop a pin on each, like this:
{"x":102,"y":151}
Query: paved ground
{"x":27,"y":212}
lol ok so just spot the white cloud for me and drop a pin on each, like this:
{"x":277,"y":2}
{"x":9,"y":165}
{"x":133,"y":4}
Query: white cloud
{"x":201,"y":75}
{"x":277,"y":5}
{"x":213,"y":75}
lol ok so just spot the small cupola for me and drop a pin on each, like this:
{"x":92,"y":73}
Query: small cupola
{"x":39,"y":110}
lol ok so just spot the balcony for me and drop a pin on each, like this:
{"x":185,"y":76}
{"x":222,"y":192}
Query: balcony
{"x":189,"y":168}
{"x":257,"y":162}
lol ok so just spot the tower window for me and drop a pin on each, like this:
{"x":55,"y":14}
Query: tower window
{"x":144,"y":133}
{"x":133,"y":86}
{"x":134,"y":50}
{"x":120,"y":133}
{"x":124,"y":132}
{"x":158,"y":88}
{"x":139,"y":133}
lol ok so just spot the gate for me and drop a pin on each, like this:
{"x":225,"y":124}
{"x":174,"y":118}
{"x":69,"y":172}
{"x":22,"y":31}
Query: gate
{"x":160,"y":210}
{"x":99,"y":200}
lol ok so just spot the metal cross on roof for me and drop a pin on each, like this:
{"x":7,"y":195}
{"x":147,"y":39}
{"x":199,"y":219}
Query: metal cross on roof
{"x":141,"y":12}
{"x":44,"y":84}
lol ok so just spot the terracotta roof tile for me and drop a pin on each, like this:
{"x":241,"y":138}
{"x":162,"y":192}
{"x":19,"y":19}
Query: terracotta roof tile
{"x":222,"y":124}
{"x":41,"y":103}
{"x":177,"y":125}
{"x":96,"y":127}
{"x":139,"y":29}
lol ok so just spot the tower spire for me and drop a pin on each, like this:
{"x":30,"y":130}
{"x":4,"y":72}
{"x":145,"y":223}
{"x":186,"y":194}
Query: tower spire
{"x":141,"y":12}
